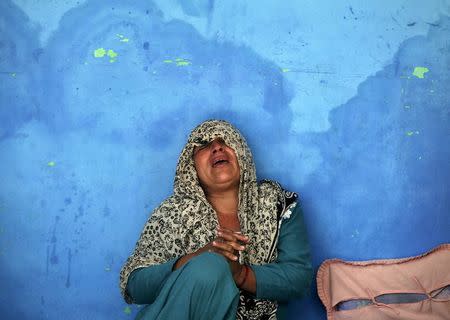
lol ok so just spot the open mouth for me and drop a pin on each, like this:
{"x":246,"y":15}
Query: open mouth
{"x":219,"y":162}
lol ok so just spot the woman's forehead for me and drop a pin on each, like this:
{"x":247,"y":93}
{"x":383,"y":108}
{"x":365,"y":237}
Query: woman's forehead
{"x":209,"y":131}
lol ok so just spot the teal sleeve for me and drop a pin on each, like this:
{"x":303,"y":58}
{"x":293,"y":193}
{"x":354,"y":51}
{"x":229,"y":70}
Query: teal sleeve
{"x":290,"y":276}
{"x":144,"y":284}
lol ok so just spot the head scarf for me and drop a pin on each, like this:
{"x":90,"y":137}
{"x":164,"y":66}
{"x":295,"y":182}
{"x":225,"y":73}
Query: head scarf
{"x":186,"y":221}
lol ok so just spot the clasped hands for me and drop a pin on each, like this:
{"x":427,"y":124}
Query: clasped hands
{"x":230,"y":244}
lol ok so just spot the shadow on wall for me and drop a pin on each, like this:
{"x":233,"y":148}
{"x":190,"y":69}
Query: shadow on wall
{"x":20,"y":54}
{"x":124,"y":68}
{"x":382,"y":188}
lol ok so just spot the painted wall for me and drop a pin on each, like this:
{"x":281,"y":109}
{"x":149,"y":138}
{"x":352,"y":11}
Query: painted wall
{"x":346,"y":102}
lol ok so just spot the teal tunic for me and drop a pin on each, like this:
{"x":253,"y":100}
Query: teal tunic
{"x":204,"y":288}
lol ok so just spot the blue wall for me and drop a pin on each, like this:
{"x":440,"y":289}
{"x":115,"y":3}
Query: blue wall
{"x":344,"y":102}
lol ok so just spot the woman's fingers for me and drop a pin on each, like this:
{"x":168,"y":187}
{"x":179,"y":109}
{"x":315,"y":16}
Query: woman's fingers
{"x":232,"y":235}
{"x":229,"y":246}
{"x":229,"y":243}
{"x":227,"y":236}
{"x":225,"y":253}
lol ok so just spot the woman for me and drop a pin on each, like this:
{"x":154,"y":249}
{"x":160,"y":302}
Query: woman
{"x":222,"y":246}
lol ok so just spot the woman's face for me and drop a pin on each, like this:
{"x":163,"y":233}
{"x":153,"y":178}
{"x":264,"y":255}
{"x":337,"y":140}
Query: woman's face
{"x":217,"y":167}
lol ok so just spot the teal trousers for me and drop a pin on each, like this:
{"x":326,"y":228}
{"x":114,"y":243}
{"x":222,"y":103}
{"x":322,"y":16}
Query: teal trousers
{"x":203,"y":288}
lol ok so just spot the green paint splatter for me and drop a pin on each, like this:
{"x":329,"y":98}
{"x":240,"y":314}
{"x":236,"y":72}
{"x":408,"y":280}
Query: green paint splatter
{"x":407,"y":107}
{"x":180,"y":62}
{"x":107,"y":269}
{"x":51,"y":164}
{"x":127,"y":310}
{"x":112,"y":55}
{"x":13,"y":74}
{"x":122,"y":38}
{"x":410,"y":133}
{"x":183,"y":63}
{"x":285,"y":69}
{"x":420,"y":71}
{"x":99,"y":53}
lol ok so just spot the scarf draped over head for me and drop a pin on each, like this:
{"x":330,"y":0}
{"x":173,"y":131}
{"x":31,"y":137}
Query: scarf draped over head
{"x":186,"y":221}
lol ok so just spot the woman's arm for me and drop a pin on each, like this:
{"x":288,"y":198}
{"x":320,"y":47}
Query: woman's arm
{"x":144,"y":284}
{"x":290,"y":276}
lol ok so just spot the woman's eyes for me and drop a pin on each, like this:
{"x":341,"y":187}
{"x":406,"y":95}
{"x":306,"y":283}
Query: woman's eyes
{"x":205,"y":144}
{"x":200,"y":147}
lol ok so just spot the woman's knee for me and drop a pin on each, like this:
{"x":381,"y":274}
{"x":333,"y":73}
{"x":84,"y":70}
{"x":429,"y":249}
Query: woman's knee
{"x":209,"y":268}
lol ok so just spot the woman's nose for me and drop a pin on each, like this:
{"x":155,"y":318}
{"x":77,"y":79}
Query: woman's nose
{"x":216,"y":145}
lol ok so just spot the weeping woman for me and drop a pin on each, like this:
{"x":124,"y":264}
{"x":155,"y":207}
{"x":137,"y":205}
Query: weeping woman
{"x":222,"y":246}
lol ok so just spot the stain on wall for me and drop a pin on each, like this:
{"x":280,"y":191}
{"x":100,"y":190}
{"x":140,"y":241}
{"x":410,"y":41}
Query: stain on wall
{"x":96,"y":103}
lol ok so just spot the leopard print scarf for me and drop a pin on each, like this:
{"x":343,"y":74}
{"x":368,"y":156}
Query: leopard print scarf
{"x":186,"y":221}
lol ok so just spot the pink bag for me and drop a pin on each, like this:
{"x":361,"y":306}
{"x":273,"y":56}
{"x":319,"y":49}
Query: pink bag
{"x":416,"y":288}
